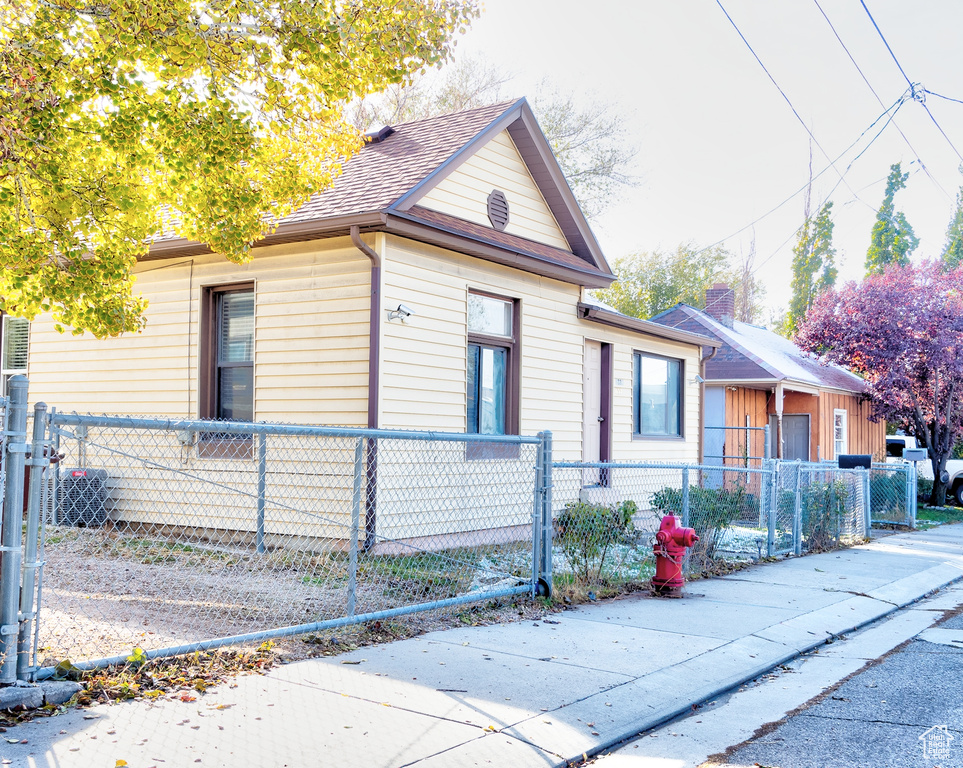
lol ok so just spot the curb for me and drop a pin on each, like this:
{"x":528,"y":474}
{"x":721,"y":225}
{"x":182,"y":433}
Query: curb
{"x":34,"y":696}
{"x":716,"y":690}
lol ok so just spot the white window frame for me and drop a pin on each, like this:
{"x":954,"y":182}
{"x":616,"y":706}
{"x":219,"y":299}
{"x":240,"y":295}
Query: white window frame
{"x":5,"y":370}
{"x":840,"y":444}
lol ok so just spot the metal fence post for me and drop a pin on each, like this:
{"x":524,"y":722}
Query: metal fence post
{"x":685,"y":497}
{"x":867,"y":503}
{"x":261,"y":487}
{"x":37,"y":462}
{"x":911,"y":494}
{"x":543,"y":582}
{"x":797,"y":514}
{"x":10,"y":532}
{"x":355,"y":526}
{"x":767,"y":448}
{"x":770,"y":497}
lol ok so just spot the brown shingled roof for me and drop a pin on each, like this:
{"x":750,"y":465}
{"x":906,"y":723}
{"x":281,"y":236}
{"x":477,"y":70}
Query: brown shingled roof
{"x":382,"y":172}
{"x":387,"y":177}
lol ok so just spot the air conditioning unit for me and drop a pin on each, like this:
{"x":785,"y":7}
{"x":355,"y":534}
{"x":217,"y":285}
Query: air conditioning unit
{"x":83,"y":497}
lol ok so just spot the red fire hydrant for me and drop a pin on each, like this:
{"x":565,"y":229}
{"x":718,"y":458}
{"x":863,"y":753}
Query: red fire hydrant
{"x":670,"y":545}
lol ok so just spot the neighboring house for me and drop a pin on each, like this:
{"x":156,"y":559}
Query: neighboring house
{"x":814,"y":411}
{"x":440,"y":284}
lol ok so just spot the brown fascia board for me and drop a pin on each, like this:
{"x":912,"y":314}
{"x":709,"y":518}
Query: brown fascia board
{"x":400,"y":224}
{"x":287,"y":232}
{"x":410,"y":227}
{"x":538,"y":156}
{"x":617,"y":320}
{"x":534,"y":148}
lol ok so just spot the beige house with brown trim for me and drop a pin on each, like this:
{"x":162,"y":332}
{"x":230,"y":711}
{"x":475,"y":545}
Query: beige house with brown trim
{"x":440,"y":284}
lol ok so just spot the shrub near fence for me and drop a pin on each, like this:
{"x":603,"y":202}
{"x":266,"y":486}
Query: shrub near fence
{"x":739,"y":515}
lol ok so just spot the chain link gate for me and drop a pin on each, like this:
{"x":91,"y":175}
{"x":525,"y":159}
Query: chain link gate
{"x":177,"y":536}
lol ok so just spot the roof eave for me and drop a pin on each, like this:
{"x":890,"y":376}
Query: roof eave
{"x":408,"y":226}
{"x":793,"y":385}
{"x":286,"y":232}
{"x":617,"y":320}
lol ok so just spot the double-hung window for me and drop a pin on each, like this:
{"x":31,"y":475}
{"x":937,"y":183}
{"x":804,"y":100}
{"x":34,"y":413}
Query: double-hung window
{"x":840,"y":436}
{"x":227,"y":362}
{"x":492,"y":393}
{"x":657,"y":395}
{"x":13,"y":350}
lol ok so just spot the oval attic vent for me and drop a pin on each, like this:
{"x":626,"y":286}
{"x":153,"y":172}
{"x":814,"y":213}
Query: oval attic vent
{"x":498,"y":209}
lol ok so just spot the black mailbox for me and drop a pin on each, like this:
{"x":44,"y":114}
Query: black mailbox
{"x":856,"y":461}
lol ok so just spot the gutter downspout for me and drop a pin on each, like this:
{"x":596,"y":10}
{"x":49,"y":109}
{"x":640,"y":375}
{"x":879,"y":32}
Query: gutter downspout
{"x":702,"y":401}
{"x":374,"y":400}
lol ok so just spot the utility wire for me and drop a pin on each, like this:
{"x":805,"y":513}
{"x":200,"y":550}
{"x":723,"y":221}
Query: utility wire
{"x":894,"y":108}
{"x":781,"y":91}
{"x":941,"y":96}
{"x":869,"y":85}
{"x":910,"y":82}
{"x":906,"y":96}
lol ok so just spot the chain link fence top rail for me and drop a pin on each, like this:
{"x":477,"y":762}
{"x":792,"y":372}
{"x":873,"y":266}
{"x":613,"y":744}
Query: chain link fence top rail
{"x":166,"y":533}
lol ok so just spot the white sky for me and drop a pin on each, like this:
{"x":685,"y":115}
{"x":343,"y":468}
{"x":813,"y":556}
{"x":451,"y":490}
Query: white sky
{"x":718,"y":144}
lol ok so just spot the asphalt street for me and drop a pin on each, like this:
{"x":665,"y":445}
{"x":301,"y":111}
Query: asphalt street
{"x":886,"y":695}
{"x":906,"y":710}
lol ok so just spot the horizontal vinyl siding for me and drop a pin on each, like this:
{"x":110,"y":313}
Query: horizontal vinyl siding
{"x":424,"y":360}
{"x":311,"y":340}
{"x":497,"y":165}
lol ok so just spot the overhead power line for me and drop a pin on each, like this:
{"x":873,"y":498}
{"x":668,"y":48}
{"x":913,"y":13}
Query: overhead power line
{"x":910,"y":82}
{"x":891,"y":112}
{"x":869,"y":85}
{"x":781,"y":91}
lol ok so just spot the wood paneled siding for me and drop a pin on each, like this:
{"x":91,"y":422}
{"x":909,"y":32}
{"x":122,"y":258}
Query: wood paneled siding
{"x":742,"y":402}
{"x":311,"y":340}
{"x":424,"y":360}
{"x":497,"y":165}
{"x":863,"y":435}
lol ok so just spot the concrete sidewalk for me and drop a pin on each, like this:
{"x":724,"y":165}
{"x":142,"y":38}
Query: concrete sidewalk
{"x":525,"y":694}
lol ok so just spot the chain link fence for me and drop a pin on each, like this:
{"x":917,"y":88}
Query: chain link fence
{"x":894,"y":494}
{"x":174,"y":536}
{"x":604,"y":533}
{"x":178,"y":535}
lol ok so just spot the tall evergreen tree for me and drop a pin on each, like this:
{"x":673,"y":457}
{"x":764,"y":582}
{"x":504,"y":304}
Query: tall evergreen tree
{"x":893,"y":239}
{"x":953,"y":250}
{"x":813,"y":266}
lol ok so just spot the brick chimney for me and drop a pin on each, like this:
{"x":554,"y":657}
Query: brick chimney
{"x":721,"y":303}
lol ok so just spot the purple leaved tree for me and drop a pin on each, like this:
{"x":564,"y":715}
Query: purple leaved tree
{"x":902,"y":331}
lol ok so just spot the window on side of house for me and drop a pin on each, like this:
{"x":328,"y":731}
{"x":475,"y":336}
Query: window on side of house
{"x":13,"y":349}
{"x":227,"y":364}
{"x":840,"y":432}
{"x":657,"y":396}
{"x":492,"y":367}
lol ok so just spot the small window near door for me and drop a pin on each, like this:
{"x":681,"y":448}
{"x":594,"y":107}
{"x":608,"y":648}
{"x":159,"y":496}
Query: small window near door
{"x":492,"y":366}
{"x":657,"y":394}
{"x":492,"y":373}
{"x":840,"y":433}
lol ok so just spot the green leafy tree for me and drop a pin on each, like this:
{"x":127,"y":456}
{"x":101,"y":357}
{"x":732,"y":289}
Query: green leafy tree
{"x":120,"y":119}
{"x":813,"y":266}
{"x":590,"y":139}
{"x":893,"y":239}
{"x":652,"y":282}
{"x":953,"y":250}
